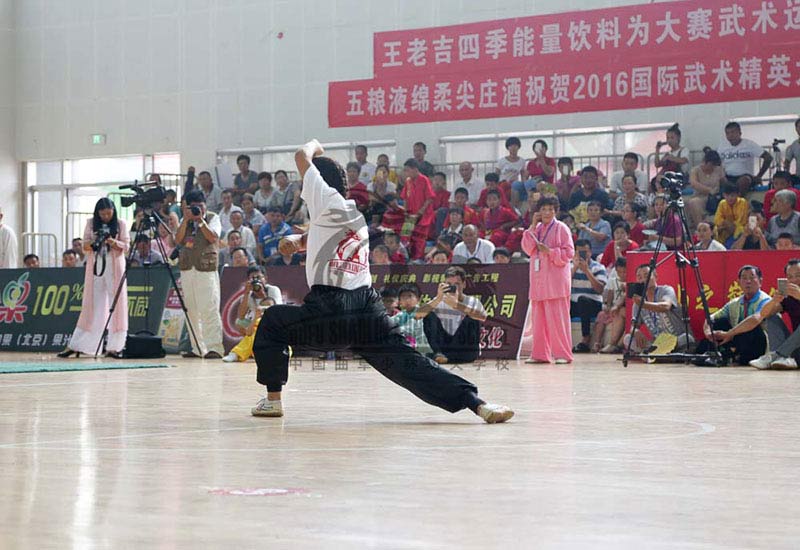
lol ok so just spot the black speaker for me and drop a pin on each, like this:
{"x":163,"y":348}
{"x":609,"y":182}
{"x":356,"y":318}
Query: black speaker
{"x":143,"y":345}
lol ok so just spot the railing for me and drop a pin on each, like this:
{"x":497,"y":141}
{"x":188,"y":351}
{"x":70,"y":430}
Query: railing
{"x":75,"y":224}
{"x":44,"y":245}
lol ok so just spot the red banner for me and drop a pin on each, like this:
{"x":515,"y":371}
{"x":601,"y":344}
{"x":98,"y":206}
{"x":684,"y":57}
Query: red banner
{"x":671,"y":53}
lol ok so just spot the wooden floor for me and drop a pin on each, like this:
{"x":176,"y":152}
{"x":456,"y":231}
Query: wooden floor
{"x":598,"y":456}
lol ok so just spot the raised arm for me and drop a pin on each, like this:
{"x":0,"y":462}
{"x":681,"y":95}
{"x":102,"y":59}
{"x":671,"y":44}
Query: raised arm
{"x":304,"y":156}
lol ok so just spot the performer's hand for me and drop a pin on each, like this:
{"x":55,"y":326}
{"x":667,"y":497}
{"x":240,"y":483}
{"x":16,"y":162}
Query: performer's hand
{"x":287,"y":247}
{"x":543,"y":248}
{"x":313,"y":148}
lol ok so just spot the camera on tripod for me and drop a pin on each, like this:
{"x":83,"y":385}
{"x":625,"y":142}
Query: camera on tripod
{"x":141,"y":197}
{"x":100,"y":238}
{"x":674,"y":182}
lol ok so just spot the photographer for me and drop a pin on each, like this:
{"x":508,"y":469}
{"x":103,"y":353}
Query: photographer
{"x":452,"y":320}
{"x":105,"y":241}
{"x":198,"y":236}
{"x":257,"y":297}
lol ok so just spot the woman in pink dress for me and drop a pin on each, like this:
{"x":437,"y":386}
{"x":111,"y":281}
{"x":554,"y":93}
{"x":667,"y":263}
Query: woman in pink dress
{"x":105,"y":268}
{"x":550,"y":247}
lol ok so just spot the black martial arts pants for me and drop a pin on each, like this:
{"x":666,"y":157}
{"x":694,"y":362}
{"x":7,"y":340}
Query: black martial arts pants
{"x":332,"y":318}
{"x":743,"y":348}
{"x":462,"y":347}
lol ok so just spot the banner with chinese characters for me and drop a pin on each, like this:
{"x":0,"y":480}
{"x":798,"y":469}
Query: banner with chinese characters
{"x":40,"y":307}
{"x":719,"y":271}
{"x":630,"y":57}
{"x":502,"y":289}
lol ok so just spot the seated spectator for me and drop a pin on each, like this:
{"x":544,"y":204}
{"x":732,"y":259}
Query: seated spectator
{"x":143,"y":254}
{"x":566,"y":183}
{"x":411,"y":326}
{"x":631,"y":214}
{"x":444,"y":243}
{"x":356,"y":190}
{"x":418,"y":195}
{"x":662,"y":314}
{"x":738,"y":159}
{"x":786,"y":352}
{"x":630,"y":166}
{"x":397,"y":251}
{"x":366,"y":168}
{"x":237,"y":223}
{"x":588,"y":191}
{"x":454,"y":224}
{"x":380,"y":255}
{"x":780,"y":180}
{"x":469,"y":183}
{"x":629,"y":194}
{"x":612,"y":316}
{"x":705,"y":239}
{"x":586,"y":299}
{"x":441,"y":203}
{"x":793,"y":152}
{"x":675,"y":160}
{"x":77,"y":246}
{"x":511,"y":166}
{"x":501,"y":256}
{"x":389,"y":298}
{"x":620,"y":246}
{"x":285,"y":196}
{"x":737,"y":327}
{"x":226,"y":210}
{"x":271,"y":233}
{"x":239,"y":257}
{"x":785,"y":242}
{"x":30,"y":261}
{"x":253,"y":218}
{"x":379,"y":190}
{"x":425,"y":168}
{"x":706,"y":181}
{"x":753,"y":237}
{"x":473,"y":246}
{"x":596,"y":230}
{"x":471,"y":216}
{"x":263,"y":196}
{"x":165,"y":241}
{"x":394,"y":216}
{"x":246,"y":181}
{"x":786,"y":218}
{"x":226,"y":254}
{"x":383,"y":160}
{"x":666,"y":225}
{"x":212,"y":192}
{"x":493,"y":184}
{"x":541,"y":167}
{"x":453,"y":320}
{"x":440,"y":257}
{"x":258,"y":297}
{"x":497,"y":220}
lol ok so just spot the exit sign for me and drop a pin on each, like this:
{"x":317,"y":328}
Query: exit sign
{"x":98,"y":139}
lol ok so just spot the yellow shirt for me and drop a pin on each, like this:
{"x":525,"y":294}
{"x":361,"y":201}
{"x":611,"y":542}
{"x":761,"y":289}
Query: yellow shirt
{"x":726,"y":213}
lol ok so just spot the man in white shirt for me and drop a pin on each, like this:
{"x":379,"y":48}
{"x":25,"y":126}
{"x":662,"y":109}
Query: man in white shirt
{"x":8,"y":246}
{"x":473,"y":246}
{"x":225,"y":212}
{"x":630,"y":165}
{"x":793,"y":152}
{"x":739,"y":156}
{"x":248,"y":238}
{"x":473,"y":185}
{"x":342,"y":310}
{"x":367,"y":172}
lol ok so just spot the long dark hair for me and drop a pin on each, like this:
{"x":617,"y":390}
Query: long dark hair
{"x":104,"y":204}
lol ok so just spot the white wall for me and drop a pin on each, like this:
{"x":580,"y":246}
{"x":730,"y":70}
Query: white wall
{"x":195,"y":76}
{"x":9,"y":173}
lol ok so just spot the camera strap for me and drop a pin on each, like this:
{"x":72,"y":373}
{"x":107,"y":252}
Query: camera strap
{"x":98,"y":257}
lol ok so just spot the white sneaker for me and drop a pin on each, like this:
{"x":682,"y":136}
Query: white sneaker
{"x":784,"y":363}
{"x":267,"y":408}
{"x":494,"y":414}
{"x":561,"y":361}
{"x":231,"y":358}
{"x":764,"y":362}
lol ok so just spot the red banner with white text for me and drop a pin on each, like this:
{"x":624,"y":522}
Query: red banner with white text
{"x":640,"y":56}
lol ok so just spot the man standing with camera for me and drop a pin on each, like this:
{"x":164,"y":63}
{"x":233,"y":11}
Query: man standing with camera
{"x":198,"y":236}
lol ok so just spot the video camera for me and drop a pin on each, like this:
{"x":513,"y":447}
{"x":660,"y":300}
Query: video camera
{"x":674,"y":182}
{"x":100,"y":237}
{"x":141,"y":197}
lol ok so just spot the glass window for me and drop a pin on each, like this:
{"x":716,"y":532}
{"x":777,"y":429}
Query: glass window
{"x":100,"y":170}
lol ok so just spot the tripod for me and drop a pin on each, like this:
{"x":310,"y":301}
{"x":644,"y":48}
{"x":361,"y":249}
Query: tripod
{"x":685,"y":257}
{"x":149,"y":226}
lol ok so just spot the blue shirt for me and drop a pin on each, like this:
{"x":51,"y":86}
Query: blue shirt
{"x":268,"y":239}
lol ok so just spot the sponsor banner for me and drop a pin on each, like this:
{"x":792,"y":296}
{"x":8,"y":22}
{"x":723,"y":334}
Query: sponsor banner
{"x":40,"y":307}
{"x":502,"y":289}
{"x":639,"y":56}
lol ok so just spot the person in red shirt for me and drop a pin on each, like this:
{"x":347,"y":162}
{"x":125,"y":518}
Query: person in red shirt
{"x":441,"y":203}
{"x":780,"y":180}
{"x":356,"y":190}
{"x":631,"y":214}
{"x":418,"y":196}
{"x":493,"y":183}
{"x":471,"y":217}
{"x":619,"y":246}
{"x":530,"y":219}
{"x":497,"y":220}
{"x":394,"y":216}
{"x":541,"y":166}
{"x":397,"y":252}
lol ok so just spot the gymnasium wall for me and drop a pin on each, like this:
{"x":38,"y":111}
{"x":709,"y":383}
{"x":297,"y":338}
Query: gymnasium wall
{"x":9,"y":176}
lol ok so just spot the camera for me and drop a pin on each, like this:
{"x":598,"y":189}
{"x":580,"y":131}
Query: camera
{"x":583,"y":254}
{"x":673,"y":182}
{"x":100,"y":237}
{"x":635,"y":289}
{"x":195,"y":210}
{"x":451,"y":289}
{"x":142,"y":198}
{"x":255,"y":284}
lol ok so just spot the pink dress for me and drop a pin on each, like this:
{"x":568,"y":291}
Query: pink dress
{"x":550,"y":287}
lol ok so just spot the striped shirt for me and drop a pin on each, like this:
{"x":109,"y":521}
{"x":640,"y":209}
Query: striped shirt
{"x":451,"y":318}
{"x":581,"y":286}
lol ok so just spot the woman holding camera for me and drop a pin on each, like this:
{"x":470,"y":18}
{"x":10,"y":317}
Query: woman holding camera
{"x":105,"y":241}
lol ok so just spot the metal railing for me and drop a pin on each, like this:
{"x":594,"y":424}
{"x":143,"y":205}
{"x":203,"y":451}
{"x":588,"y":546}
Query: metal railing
{"x":75,"y":223}
{"x":44,"y":245}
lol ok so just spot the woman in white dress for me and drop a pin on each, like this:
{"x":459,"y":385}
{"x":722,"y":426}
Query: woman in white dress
{"x":105,"y":268}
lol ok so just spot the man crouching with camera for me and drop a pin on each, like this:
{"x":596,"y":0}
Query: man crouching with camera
{"x":452,"y":320}
{"x":198,"y":237}
{"x":257,"y":298}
